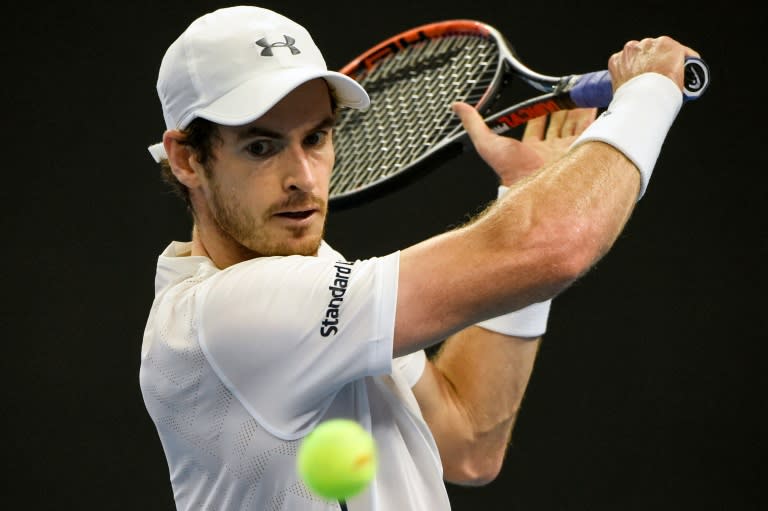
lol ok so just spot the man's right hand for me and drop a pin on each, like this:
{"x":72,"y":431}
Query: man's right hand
{"x":662,"y":55}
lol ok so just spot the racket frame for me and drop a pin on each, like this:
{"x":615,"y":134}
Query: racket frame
{"x":554,"y":95}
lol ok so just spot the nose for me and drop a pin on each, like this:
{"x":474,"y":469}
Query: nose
{"x":299,"y":170}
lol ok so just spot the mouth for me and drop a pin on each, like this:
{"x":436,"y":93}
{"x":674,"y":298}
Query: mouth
{"x":296,"y":215}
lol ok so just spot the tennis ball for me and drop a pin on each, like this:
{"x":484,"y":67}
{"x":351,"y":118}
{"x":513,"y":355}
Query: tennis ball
{"x":337,"y":459}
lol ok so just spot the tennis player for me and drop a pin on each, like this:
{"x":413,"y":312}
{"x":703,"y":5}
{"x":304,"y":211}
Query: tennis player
{"x":260,"y":330}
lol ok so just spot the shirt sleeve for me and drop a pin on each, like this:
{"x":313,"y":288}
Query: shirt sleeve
{"x":285,"y":334}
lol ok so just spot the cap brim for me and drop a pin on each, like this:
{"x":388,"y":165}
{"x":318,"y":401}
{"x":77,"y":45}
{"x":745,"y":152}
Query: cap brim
{"x":254,"y":98}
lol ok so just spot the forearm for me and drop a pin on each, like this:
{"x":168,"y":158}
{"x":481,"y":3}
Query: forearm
{"x":547,"y":231}
{"x":529,"y":246}
{"x":564,"y":219}
{"x":482,"y":377}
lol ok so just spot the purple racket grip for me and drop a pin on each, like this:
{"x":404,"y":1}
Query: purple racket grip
{"x":593,"y":90}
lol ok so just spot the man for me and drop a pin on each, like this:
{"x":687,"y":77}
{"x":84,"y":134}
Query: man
{"x":260,"y":330}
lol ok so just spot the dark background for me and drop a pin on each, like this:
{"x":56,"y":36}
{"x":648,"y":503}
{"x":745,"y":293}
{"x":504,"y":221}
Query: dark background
{"x":649,"y":392}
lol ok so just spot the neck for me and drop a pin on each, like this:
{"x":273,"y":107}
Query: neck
{"x":222,"y":250}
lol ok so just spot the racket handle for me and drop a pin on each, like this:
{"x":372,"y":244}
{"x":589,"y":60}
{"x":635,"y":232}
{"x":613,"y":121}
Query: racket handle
{"x":595,"y":89}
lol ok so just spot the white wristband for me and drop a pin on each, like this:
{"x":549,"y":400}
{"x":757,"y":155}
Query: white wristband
{"x":637,"y":121}
{"x":530,"y":321}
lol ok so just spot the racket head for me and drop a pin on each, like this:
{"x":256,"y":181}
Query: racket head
{"x":412,"y":79}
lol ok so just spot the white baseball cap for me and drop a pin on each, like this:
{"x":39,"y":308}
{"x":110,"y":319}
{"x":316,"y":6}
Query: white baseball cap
{"x":232,"y":65}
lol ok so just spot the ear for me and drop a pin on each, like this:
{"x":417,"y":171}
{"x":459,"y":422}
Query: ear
{"x":183,"y":163}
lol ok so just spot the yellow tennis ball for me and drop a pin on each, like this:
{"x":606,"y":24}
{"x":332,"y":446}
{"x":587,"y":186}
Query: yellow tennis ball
{"x":337,"y":459}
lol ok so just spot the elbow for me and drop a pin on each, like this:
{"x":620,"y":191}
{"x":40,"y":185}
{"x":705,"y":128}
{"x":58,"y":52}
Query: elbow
{"x":574,"y":263}
{"x":474,"y":472}
{"x":479,"y":465}
{"x":570,"y":254}
{"x":484,"y":472}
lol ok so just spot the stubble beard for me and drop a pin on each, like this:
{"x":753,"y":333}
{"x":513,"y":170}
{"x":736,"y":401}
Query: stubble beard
{"x":252,"y":237}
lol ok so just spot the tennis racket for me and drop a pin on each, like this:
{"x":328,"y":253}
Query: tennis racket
{"x":414,"y":77}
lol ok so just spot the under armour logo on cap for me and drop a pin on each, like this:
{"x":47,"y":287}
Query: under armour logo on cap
{"x":267,"y":51}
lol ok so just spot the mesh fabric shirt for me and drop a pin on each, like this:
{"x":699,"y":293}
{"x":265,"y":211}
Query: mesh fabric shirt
{"x":238,"y":365}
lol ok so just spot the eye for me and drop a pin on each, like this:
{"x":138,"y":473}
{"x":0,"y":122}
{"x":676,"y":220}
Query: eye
{"x":260,"y":147}
{"x":316,"y":138}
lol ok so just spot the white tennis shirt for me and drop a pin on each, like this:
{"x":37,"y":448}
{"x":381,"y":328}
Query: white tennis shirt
{"x":237,"y":365}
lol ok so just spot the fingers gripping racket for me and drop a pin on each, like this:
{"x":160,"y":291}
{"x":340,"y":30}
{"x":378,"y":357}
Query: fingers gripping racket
{"x":414,"y":77}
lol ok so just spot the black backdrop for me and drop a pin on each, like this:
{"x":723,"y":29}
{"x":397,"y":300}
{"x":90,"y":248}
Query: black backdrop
{"x":649,"y":390}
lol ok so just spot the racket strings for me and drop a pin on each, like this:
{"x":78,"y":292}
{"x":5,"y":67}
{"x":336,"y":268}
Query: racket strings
{"x":396,"y":126}
{"x":407,"y":137}
{"x":411,"y":93}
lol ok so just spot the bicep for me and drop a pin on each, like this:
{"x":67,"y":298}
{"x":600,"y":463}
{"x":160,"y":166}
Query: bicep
{"x":431,"y":302}
{"x":457,"y":279}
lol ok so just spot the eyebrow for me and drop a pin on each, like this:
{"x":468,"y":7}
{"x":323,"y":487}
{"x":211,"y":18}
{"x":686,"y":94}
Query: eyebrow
{"x":257,"y":131}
